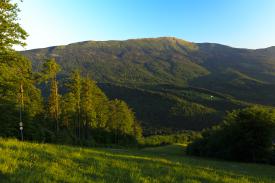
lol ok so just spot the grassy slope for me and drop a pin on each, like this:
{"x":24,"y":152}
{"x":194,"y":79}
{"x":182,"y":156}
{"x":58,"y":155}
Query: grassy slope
{"x":31,"y":162}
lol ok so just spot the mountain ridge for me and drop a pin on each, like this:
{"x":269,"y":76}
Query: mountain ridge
{"x":154,"y":38}
{"x":245,"y":76}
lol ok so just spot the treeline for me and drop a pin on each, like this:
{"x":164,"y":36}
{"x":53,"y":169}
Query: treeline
{"x":81,"y":115}
{"x":183,"y":137}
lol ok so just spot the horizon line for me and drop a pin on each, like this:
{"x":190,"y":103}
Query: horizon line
{"x":142,"y":38}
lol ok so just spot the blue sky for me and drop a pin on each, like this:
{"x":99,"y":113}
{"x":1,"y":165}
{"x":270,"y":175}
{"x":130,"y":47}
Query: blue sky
{"x":238,"y":23}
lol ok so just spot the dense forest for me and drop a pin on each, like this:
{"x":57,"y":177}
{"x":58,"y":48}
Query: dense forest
{"x":170,"y":84}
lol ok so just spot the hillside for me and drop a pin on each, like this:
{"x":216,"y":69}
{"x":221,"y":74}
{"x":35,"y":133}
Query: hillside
{"x":31,"y":162}
{"x":178,"y":78}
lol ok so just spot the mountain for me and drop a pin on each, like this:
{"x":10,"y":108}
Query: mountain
{"x":171,"y":83}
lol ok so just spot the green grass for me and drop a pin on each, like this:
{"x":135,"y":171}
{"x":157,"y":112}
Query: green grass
{"x":33,"y":162}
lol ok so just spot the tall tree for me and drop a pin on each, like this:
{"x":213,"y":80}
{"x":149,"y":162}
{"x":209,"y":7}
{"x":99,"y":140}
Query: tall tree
{"x":50,"y":71}
{"x":87,"y":105}
{"x":17,"y":88}
{"x":74,"y":95}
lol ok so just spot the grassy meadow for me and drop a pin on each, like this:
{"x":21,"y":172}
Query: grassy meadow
{"x":33,"y":162}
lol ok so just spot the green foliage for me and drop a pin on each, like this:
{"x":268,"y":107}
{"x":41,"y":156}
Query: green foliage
{"x":161,"y":109}
{"x":92,"y":119}
{"x":17,"y":85}
{"x":245,"y":135}
{"x":32,"y":162}
{"x":76,"y":117}
{"x":50,"y":70}
{"x":171,"y":73}
{"x":121,"y":117}
{"x":15,"y":73}
{"x":11,"y":33}
{"x":184,"y":137}
{"x":83,"y":115}
{"x":218,"y":68}
{"x":49,"y":74}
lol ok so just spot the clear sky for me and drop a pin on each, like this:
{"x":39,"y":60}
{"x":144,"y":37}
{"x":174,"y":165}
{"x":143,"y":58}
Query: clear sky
{"x":238,"y":23}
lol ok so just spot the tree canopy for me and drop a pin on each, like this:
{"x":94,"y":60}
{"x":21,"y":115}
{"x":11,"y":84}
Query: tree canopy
{"x":11,"y":33}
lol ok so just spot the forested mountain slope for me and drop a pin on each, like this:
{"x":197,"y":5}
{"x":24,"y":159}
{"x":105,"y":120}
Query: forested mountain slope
{"x":170,"y":82}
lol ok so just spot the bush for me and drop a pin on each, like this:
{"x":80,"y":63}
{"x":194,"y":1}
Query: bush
{"x":245,"y":135}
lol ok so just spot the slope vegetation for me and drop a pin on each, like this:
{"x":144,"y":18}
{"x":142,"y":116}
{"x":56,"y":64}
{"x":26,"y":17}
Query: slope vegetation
{"x":176,"y":71}
{"x":31,"y":162}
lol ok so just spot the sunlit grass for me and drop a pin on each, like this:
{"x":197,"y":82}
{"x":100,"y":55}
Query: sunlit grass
{"x":31,"y":162}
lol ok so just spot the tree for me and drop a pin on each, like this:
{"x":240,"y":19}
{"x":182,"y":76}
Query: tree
{"x":71,"y":101}
{"x":245,"y":135}
{"x":68,"y":111}
{"x":49,"y":73}
{"x":11,"y":33}
{"x":84,"y":104}
{"x":88,"y":106}
{"x":17,"y":87}
{"x":121,"y":120}
{"x":18,"y":93}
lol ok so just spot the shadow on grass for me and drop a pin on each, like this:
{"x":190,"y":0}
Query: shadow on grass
{"x":4,"y":177}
